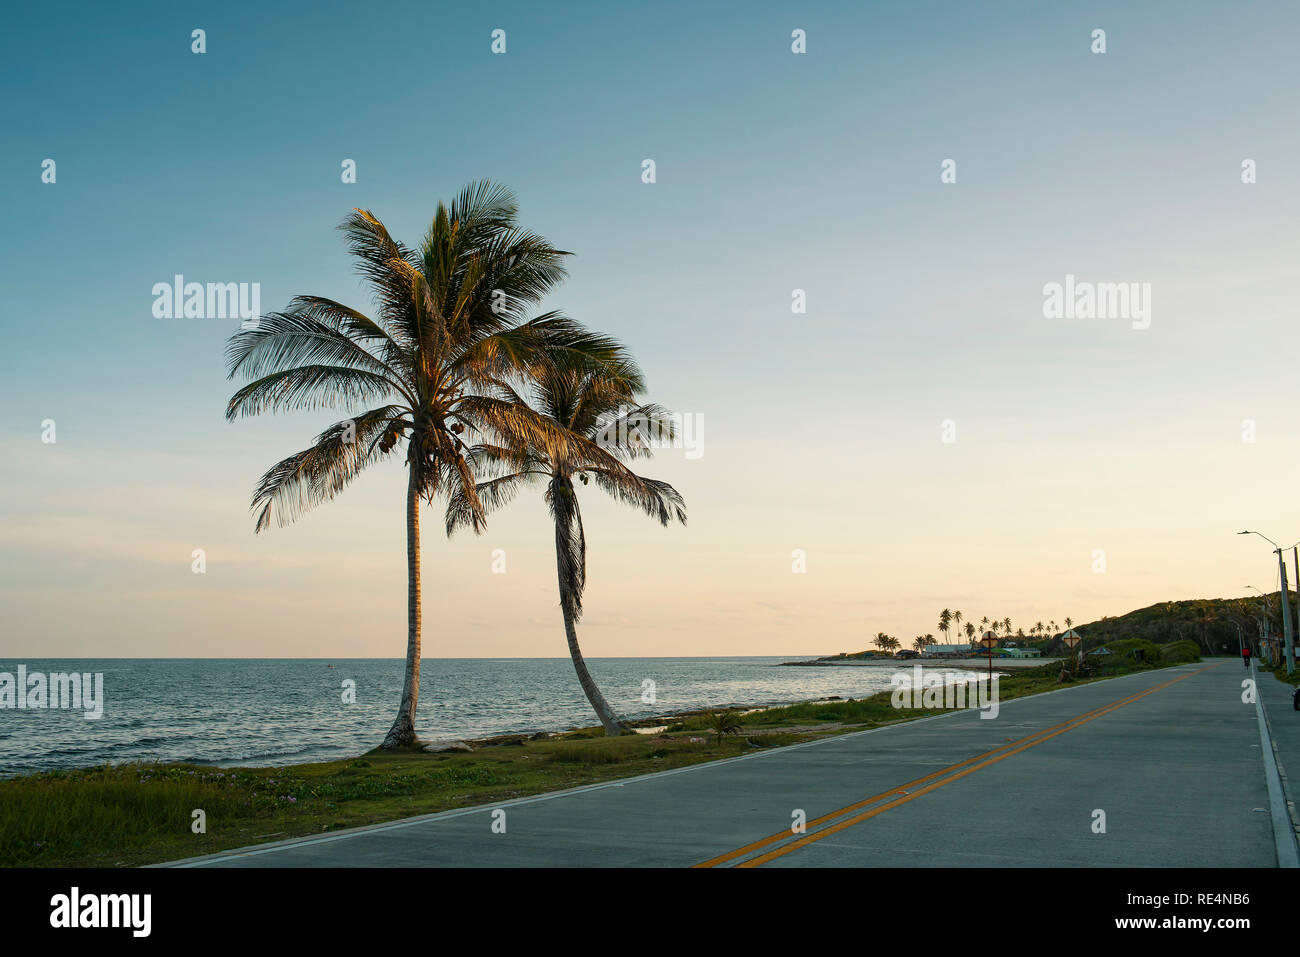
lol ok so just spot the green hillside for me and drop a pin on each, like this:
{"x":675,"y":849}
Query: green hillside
{"x":1210,"y":622}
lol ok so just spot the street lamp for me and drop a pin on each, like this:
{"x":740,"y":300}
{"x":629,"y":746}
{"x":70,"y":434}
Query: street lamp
{"x":1263,"y":604}
{"x":1288,"y":629}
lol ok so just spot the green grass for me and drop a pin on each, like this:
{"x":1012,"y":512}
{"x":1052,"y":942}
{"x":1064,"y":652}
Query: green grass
{"x":1279,"y":672}
{"x":141,"y":813}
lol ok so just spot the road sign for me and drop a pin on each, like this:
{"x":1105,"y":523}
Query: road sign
{"x":1072,"y":638}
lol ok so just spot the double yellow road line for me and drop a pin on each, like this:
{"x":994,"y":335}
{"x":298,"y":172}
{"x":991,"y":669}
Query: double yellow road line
{"x":836,"y":821}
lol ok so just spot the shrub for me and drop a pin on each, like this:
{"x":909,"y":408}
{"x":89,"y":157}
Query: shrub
{"x":1178,"y":652}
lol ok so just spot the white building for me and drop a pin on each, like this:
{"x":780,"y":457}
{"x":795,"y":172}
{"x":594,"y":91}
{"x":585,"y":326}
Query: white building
{"x":962,"y":649}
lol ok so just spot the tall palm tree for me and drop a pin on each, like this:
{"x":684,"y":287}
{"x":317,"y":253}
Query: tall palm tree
{"x":1006,"y":626}
{"x":422,"y":371}
{"x":945,"y":621}
{"x":956,"y":622}
{"x":591,"y":400}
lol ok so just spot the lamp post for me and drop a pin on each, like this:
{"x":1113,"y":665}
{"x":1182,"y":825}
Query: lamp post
{"x":1288,"y":629}
{"x":1263,"y":620}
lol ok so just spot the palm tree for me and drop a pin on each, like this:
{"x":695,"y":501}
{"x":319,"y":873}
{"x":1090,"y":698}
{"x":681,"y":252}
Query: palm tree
{"x":431,"y":358}
{"x":945,"y":621}
{"x":919,"y":643}
{"x":591,"y":401}
{"x":724,"y":722}
{"x":1038,"y":629}
{"x":970,"y":631}
{"x":956,"y":621}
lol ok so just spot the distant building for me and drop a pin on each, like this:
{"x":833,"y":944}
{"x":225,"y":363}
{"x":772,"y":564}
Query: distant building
{"x":947,"y":649}
{"x":1014,"y":652}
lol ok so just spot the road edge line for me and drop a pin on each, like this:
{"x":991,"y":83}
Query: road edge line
{"x":1284,"y":842}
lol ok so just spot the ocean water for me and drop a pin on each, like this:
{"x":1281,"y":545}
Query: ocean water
{"x":288,"y":711}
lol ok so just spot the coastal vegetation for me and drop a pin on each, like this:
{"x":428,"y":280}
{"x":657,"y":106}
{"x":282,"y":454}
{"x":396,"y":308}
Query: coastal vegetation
{"x":1214,"y":626}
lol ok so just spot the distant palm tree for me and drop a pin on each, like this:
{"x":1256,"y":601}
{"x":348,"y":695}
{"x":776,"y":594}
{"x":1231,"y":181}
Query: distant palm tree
{"x":945,"y":621}
{"x":1006,"y":626}
{"x":970,"y":631}
{"x":956,"y":621}
{"x":592,"y":401}
{"x":882,"y":641}
{"x":1038,"y":629}
{"x":920,"y":643}
{"x":431,"y":356}
{"x":984,"y":625}
{"x":1069,"y":623}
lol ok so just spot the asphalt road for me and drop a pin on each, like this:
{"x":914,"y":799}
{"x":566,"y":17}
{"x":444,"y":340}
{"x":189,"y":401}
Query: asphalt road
{"x":1170,"y":762}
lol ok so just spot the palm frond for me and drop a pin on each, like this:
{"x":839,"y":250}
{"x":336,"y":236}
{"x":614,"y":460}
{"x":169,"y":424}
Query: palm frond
{"x":310,"y":387}
{"x":376,"y":251}
{"x":298,"y":483}
{"x":657,"y":499}
{"x":492,"y":494}
{"x":285,"y":340}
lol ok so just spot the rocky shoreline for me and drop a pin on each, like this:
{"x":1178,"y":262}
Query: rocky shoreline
{"x":972,"y":663}
{"x":648,"y":725}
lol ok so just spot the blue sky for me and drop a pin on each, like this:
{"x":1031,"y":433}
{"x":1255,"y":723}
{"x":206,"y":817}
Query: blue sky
{"x":775,"y":171}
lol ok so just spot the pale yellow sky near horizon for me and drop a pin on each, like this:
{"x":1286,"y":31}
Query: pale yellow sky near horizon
{"x":104,"y":570}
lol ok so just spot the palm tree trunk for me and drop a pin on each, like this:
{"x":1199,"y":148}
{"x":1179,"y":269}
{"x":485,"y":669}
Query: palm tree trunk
{"x":402,"y":732}
{"x":611,"y":722}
